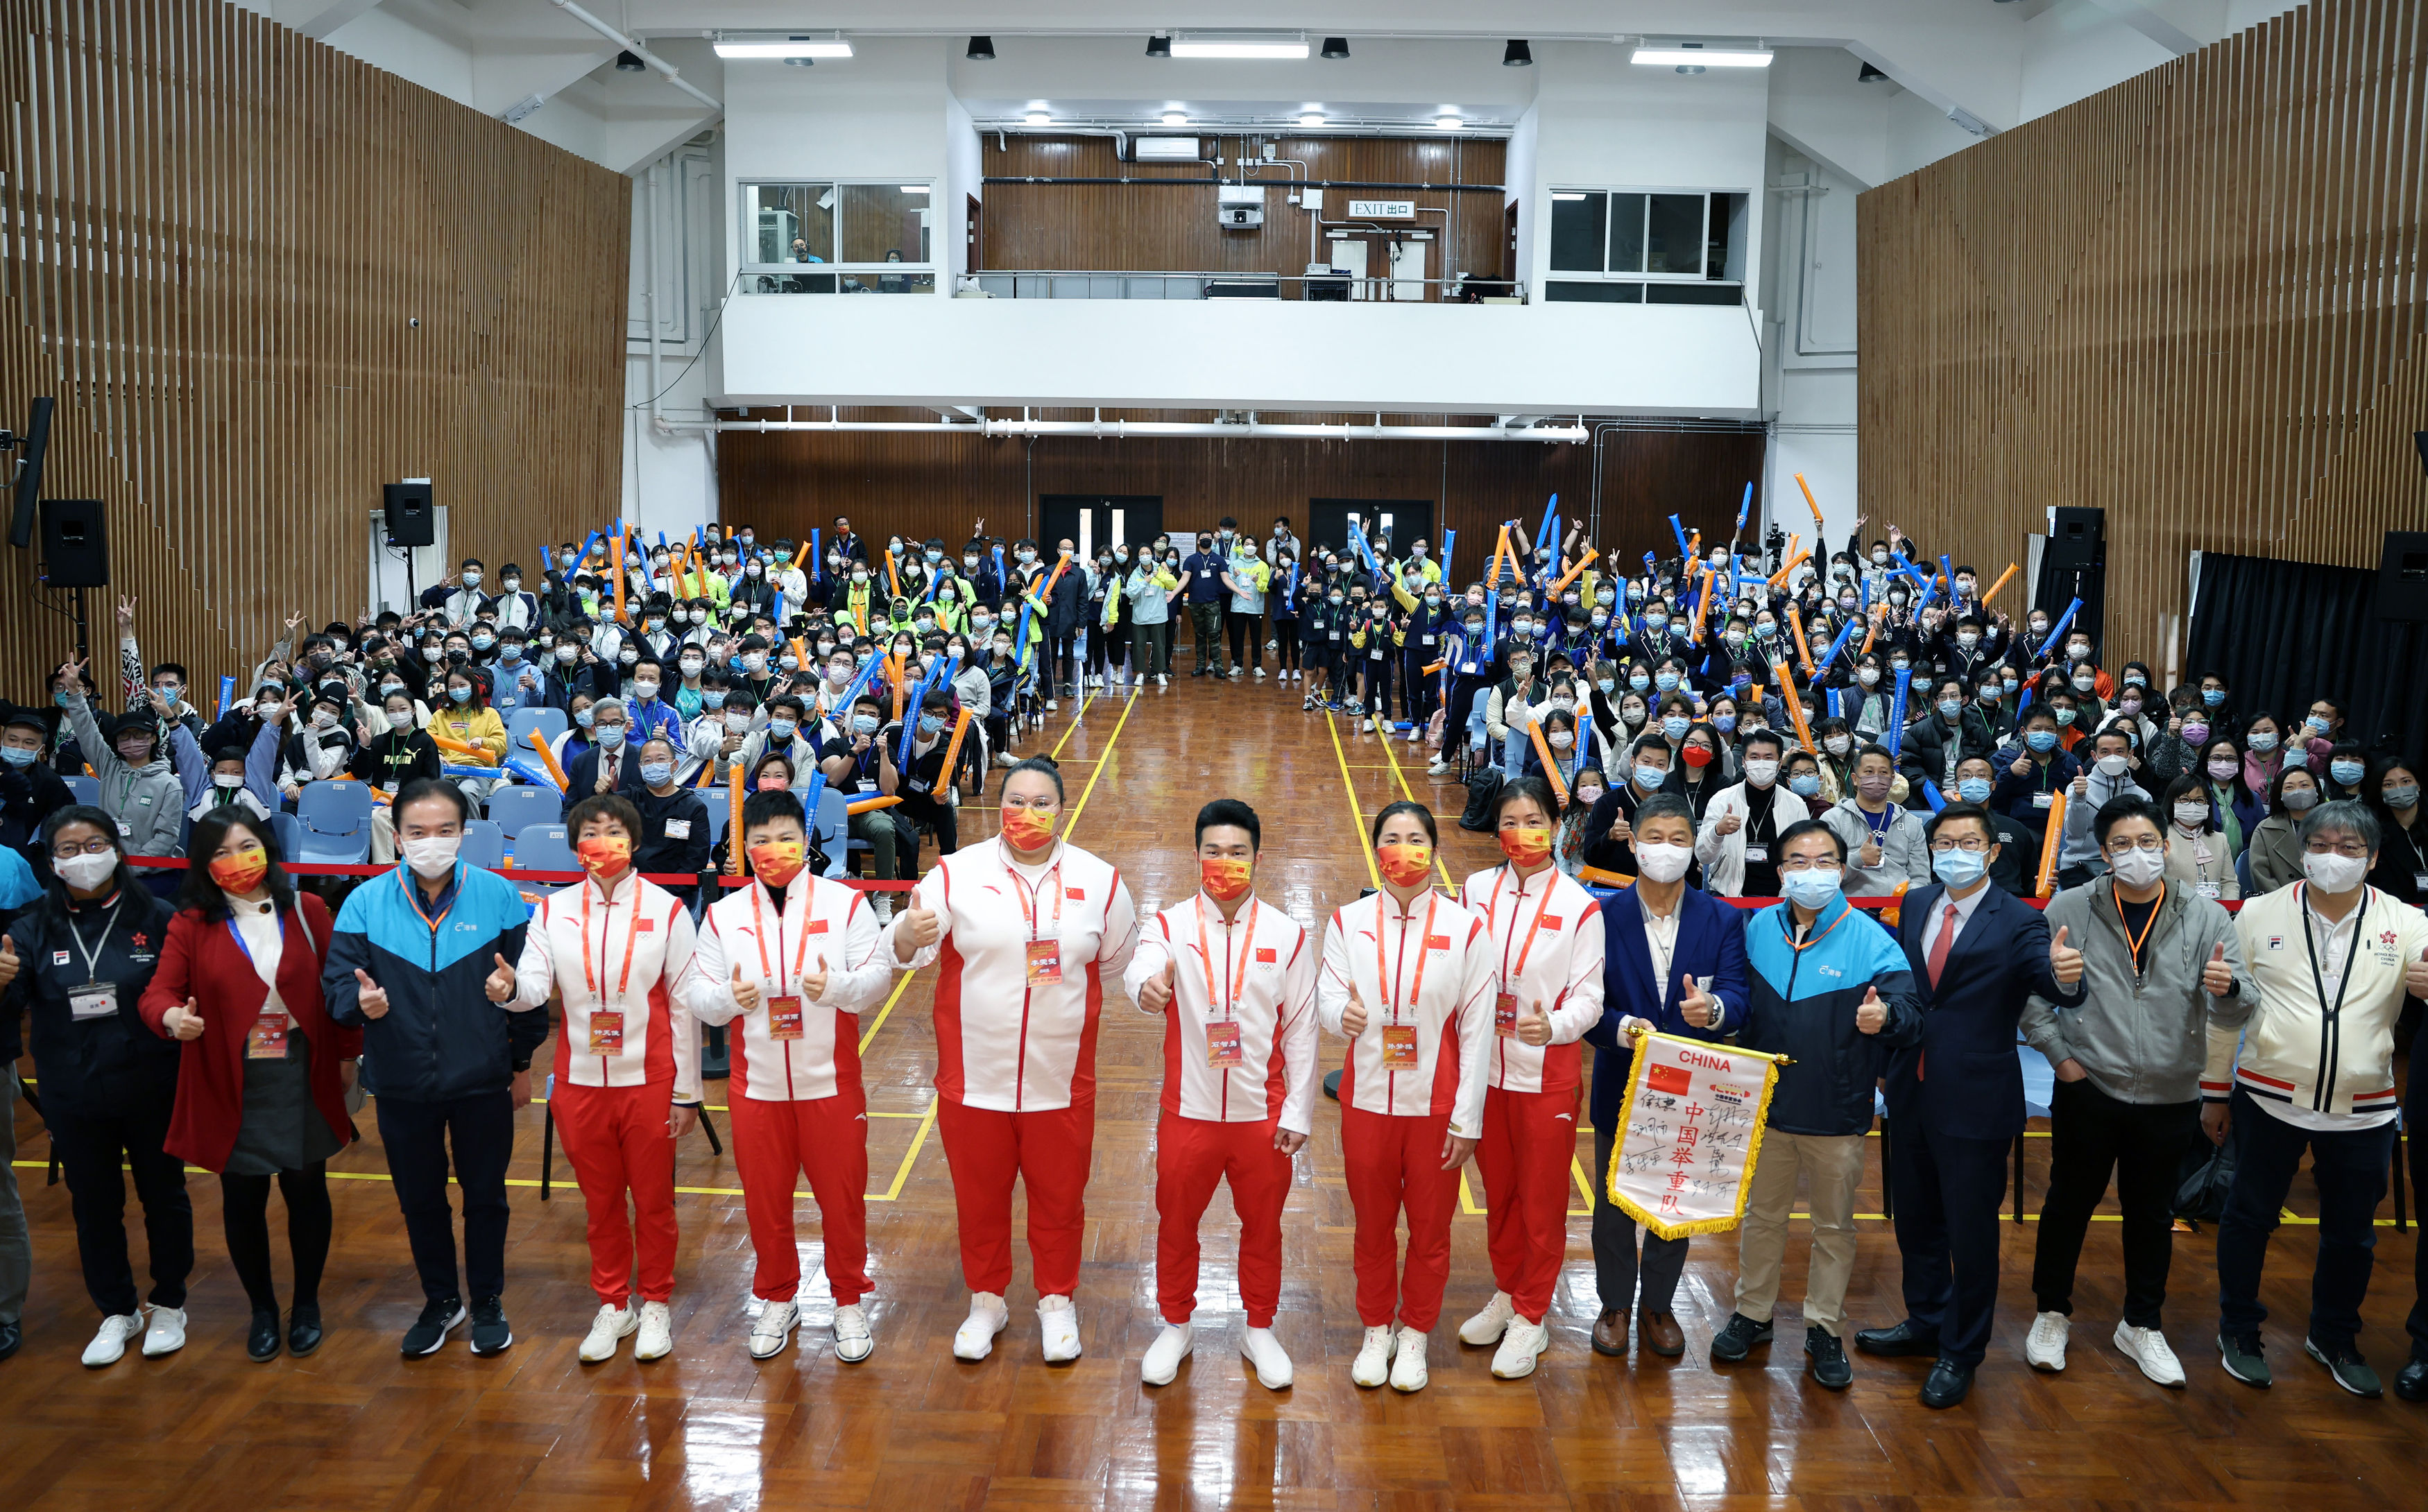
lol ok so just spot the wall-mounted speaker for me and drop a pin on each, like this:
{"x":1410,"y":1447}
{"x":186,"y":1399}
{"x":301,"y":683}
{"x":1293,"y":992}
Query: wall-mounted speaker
{"x":411,"y":521}
{"x":2403,"y":576}
{"x":75,"y":546}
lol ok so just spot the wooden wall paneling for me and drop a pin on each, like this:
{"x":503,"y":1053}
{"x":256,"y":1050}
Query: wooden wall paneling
{"x":2192,"y":301}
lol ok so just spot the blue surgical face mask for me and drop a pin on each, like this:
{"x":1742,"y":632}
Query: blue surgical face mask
{"x":583,"y":718}
{"x":481,"y":642}
{"x":2262,"y":742}
{"x":1665,"y":681}
{"x":610,"y":736}
{"x":1651,"y":777}
{"x":1638,"y":682}
{"x":1960,"y":868}
{"x":1973,"y":790}
{"x":864,"y":724}
{"x":17,"y":755}
{"x":1813,"y":887}
{"x":2347,"y":772}
{"x":657,"y":774}
{"x":1804,"y":785}
{"x":2040,"y":739}
{"x":1765,"y":629}
{"x":1724,"y":723}
{"x":1951,"y":707}
{"x":1608,"y":685}
{"x":781,"y":729}
{"x":510,"y":653}
{"x":460,"y":695}
{"x":2213,"y":697}
{"x":931,"y":724}
{"x":2318,"y":723}
{"x":1675,"y":725}
{"x":711,"y":697}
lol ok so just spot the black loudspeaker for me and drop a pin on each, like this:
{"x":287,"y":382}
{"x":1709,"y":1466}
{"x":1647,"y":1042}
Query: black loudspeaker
{"x":75,"y":547}
{"x":2074,"y":565}
{"x":29,"y":482}
{"x":2419,"y":438}
{"x":410,"y":520}
{"x":2402,"y":577}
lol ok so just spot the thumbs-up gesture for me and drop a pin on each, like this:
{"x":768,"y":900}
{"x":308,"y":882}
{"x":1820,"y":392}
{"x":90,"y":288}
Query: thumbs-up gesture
{"x":9,"y":962}
{"x":813,"y":984}
{"x":501,"y":985}
{"x":183,"y":1023}
{"x":2218,"y":978}
{"x":2415,"y":976}
{"x":1155,"y":995}
{"x":922,"y":927}
{"x":1871,"y":855}
{"x":1699,"y":1007}
{"x":369,"y":994}
{"x":2065,"y":963}
{"x":1353,"y":1018}
{"x":1873,"y":1015}
{"x":746,"y":993}
{"x":1532,"y":1028}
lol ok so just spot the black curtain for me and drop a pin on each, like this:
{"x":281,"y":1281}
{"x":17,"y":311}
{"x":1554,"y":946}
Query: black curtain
{"x":2285,"y":633}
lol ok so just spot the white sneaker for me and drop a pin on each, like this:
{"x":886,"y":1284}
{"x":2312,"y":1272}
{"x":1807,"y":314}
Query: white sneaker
{"x":167,"y":1333}
{"x":1266,"y":1354}
{"x":1163,"y":679}
{"x":109,"y":1344}
{"x":852,"y":1341}
{"x":1372,"y":1366}
{"x":657,"y":1338}
{"x":1260,"y":673}
{"x":881,"y":904}
{"x":1440,"y":769}
{"x":1052,"y":707}
{"x":975,"y":1338}
{"x":1408,"y":1361}
{"x":1416,"y":733}
{"x":1060,"y":1321}
{"x":1164,"y":1356}
{"x":775,"y":1325}
{"x":611,"y":1324}
{"x":1489,"y":1325}
{"x":2045,"y":1346}
{"x":2147,"y":1348}
{"x":1520,"y":1348}
{"x":1367,"y":728}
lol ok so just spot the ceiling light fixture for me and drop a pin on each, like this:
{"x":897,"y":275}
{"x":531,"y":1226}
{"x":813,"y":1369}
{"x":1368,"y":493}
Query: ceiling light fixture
{"x":1567,"y":195}
{"x":1871,"y":75}
{"x":1699,"y":55}
{"x":1310,"y":121}
{"x":981,"y":50}
{"x":1159,"y":47}
{"x":1517,"y":55}
{"x":1037,"y":117}
{"x":831,"y":44}
{"x":1264,"y":44}
{"x":1173,"y":118}
{"x":915,"y":188}
{"x":1336,"y":48}
{"x":1449,"y":122}
{"x":629,"y":63}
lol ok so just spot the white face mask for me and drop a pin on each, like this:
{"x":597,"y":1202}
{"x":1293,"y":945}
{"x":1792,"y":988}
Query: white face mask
{"x":2332,"y":872}
{"x":433,"y":856}
{"x":2140,"y":868}
{"x":1762,"y":773}
{"x":400,"y":720}
{"x":85,"y":873}
{"x":2191,"y":816}
{"x":230,"y":780}
{"x":1663,"y":863}
{"x":2115,"y":767}
{"x":1836,"y":744}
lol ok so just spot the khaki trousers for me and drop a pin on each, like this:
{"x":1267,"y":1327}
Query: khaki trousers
{"x":1834,"y":1165}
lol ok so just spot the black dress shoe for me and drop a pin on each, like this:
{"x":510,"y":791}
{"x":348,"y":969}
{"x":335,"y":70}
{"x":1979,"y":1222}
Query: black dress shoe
{"x":261,"y":1341}
{"x":1891,"y":1343}
{"x":304,"y":1329}
{"x":2410,"y":1383}
{"x":12,"y":1335}
{"x":1948,"y":1384}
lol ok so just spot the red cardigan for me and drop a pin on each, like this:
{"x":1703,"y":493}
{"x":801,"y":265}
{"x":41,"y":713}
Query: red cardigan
{"x":204,"y":961}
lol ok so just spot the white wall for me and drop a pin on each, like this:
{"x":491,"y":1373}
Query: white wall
{"x":2074,"y":49}
{"x":1810,"y":380}
{"x":1518,"y":179}
{"x":965,"y":176}
{"x":670,"y":476}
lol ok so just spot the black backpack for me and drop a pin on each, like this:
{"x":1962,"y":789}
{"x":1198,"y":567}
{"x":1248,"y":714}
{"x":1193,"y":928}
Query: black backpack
{"x":2200,"y":1195}
{"x":1483,"y":789}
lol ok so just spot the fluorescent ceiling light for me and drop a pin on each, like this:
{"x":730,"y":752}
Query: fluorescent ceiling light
{"x":1449,"y":122}
{"x":1173,"y":118}
{"x":1038,"y":118}
{"x":915,"y":188}
{"x":1567,"y":195}
{"x":1238,"y":44}
{"x":1310,"y":121}
{"x":1667,"y":56}
{"x":825,"y":46}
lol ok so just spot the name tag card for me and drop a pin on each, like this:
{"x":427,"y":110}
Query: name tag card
{"x":1045,"y":962}
{"x":267,"y":1039}
{"x":1399,"y":1047}
{"x":678,"y":829}
{"x":98,"y":999}
{"x":1504,"y":1015}
{"x":784,"y":1018}
{"x":606,"y":1032}
{"x":1222,"y":1049}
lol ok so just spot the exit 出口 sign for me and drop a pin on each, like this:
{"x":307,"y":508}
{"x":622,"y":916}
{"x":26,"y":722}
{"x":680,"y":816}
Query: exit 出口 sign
{"x":1382,"y":209}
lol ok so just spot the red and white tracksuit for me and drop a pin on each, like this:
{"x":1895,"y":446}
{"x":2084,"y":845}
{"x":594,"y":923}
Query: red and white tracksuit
{"x":795,"y":1093}
{"x":628,"y":1052}
{"x":1020,"y":983}
{"x":1546,"y":938}
{"x":1239,"y":1064}
{"x":1415,"y":1075}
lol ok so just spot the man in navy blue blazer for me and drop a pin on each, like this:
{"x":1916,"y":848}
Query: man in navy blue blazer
{"x":1674,"y":959}
{"x":1956,"y":1097}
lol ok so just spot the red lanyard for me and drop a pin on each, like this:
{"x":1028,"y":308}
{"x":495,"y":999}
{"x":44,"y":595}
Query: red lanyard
{"x":632,"y":934}
{"x":1381,"y":983}
{"x":758,"y":920}
{"x":1247,"y":941}
{"x":1550,"y":879}
{"x":1028,"y":908}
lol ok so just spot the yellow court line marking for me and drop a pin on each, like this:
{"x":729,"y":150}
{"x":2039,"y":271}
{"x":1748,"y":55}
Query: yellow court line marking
{"x":1081,"y":807}
{"x":1356,"y":813}
{"x":902,"y":1174}
{"x":1078,"y":716}
{"x":887,"y":1011}
{"x":1409,"y":793}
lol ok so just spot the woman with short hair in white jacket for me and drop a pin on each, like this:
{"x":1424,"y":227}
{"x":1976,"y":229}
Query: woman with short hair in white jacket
{"x":1741,"y":829}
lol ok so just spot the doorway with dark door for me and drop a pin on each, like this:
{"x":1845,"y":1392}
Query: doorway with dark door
{"x":1090,"y":520}
{"x":1400,"y":521}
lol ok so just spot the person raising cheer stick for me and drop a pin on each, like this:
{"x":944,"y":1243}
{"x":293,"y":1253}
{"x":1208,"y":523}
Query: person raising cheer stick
{"x":1035,"y":926}
{"x":1407,"y":980}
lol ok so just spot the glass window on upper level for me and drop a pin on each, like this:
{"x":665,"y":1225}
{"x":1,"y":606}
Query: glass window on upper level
{"x":837,"y":237}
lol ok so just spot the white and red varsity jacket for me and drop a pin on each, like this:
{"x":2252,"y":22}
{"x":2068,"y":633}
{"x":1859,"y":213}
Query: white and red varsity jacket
{"x":1425,"y":977}
{"x":1019,"y":972}
{"x":1238,"y":1037}
{"x":615,"y":957}
{"x":822,"y":924}
{"x":1546,"y":938}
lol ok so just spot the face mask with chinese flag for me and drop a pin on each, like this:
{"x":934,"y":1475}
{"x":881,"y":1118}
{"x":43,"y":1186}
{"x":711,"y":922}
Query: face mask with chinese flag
{"x":1404,"y":862}
{"x":776,"y":862}
{"x":1028,"y":829}
{"x":1225,"y":877}
{"x":241,"y":872}
{"x":604,"y":855}
{"x":1527,"y":845}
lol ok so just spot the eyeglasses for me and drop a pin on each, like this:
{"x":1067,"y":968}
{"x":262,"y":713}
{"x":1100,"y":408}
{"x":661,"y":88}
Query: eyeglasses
{"x":1972,"y":842}
{"x":90,"y":848}
{"x":2351,"y":849}
{"x":1806,"y":863}
{"x":2126,"y":846}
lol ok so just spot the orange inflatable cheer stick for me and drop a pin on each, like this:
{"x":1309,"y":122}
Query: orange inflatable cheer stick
{"x":2049,"y":845}
{"x":1551,"y":767}
{"x":1795,"y":704}
{"x":1808,"y":500}
{"x":870,"y":805}
{"x":616,"y":560}
{"x":1702,"y":607}
{"x":893,"y":581}
{"x":1571,"y":575}
{"x":478,"y":755}
{"x":546,"y":758}
{"x":733,"y":823}
{"x":1779,"y":579}
{"x":2000,"y":583}
{"x":1796,"y":627}
{"x":953,"y":748}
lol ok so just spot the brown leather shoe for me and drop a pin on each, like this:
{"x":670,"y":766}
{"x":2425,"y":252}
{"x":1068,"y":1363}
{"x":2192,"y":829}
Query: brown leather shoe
{"x":1610,"y":1332}
{"x":1661,"y":1334}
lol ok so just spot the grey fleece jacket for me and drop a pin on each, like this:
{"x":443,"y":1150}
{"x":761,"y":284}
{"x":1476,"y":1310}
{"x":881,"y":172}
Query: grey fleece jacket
{"x":2142,"y":1038}
{"x":148,"y":801}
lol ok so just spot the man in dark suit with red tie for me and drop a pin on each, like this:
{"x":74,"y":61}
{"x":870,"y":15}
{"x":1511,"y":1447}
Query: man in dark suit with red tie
{"x":1956,"y":1098}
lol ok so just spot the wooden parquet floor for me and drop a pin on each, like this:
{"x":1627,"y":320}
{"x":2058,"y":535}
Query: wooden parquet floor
{"x":912,"y":1430}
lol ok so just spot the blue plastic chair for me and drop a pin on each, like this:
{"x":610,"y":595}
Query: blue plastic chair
{"x":834,"y":828}
{"x":290,"y":835}
{"x":720,"y":813}
{"x":87,"y":789}
{"x":336,"y":817}
{"x":485,"y":845}
{"x":543,"y":848}
{"x":2242,"y":871}
{"x":2040,"y":1088}
{"x":514,"y":809}
{"x":550,"y":723}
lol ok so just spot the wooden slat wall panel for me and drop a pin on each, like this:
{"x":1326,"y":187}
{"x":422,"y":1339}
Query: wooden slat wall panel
{"x":1160,"y":227}
{"x":787,"y":481}
{"x":2194,"y":300}
{"x":215,"y":233}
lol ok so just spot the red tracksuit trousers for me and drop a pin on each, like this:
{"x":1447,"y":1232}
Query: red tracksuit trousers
{"x":616,"y":1138}
{"x":1048,"y":1153}
{"x":1191,"y":1156}
{"x":1529,"y":1140}
{"x":1393,"y":1164}
{"x":774,"y":1144}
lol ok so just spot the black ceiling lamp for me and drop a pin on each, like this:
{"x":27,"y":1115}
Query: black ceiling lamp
{"x":981,"y":50}
{"x":1517,"y":55}
{"x":629,"y":63}
{"x":1871,"y":75}
{"x":1335,"y":47}
{"x":1159,"y":47}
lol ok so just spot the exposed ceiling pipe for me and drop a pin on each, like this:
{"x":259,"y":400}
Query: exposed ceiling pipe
{"x":1118,"y":430}
{"x":632,"y":45}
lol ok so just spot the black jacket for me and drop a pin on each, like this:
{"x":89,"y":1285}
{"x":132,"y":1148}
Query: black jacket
{"x":397,"y":758}
{"x":582,"y":777}
{"x":1923,"y":755}
{"x":94,"y":1066}
{"x":29,"y":795}
{"x":658,"y":851}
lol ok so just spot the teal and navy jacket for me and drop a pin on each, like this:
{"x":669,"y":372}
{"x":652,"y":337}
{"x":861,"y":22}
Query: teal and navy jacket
{"x":441,"y":1037}
{"x":1803,"y":1004}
